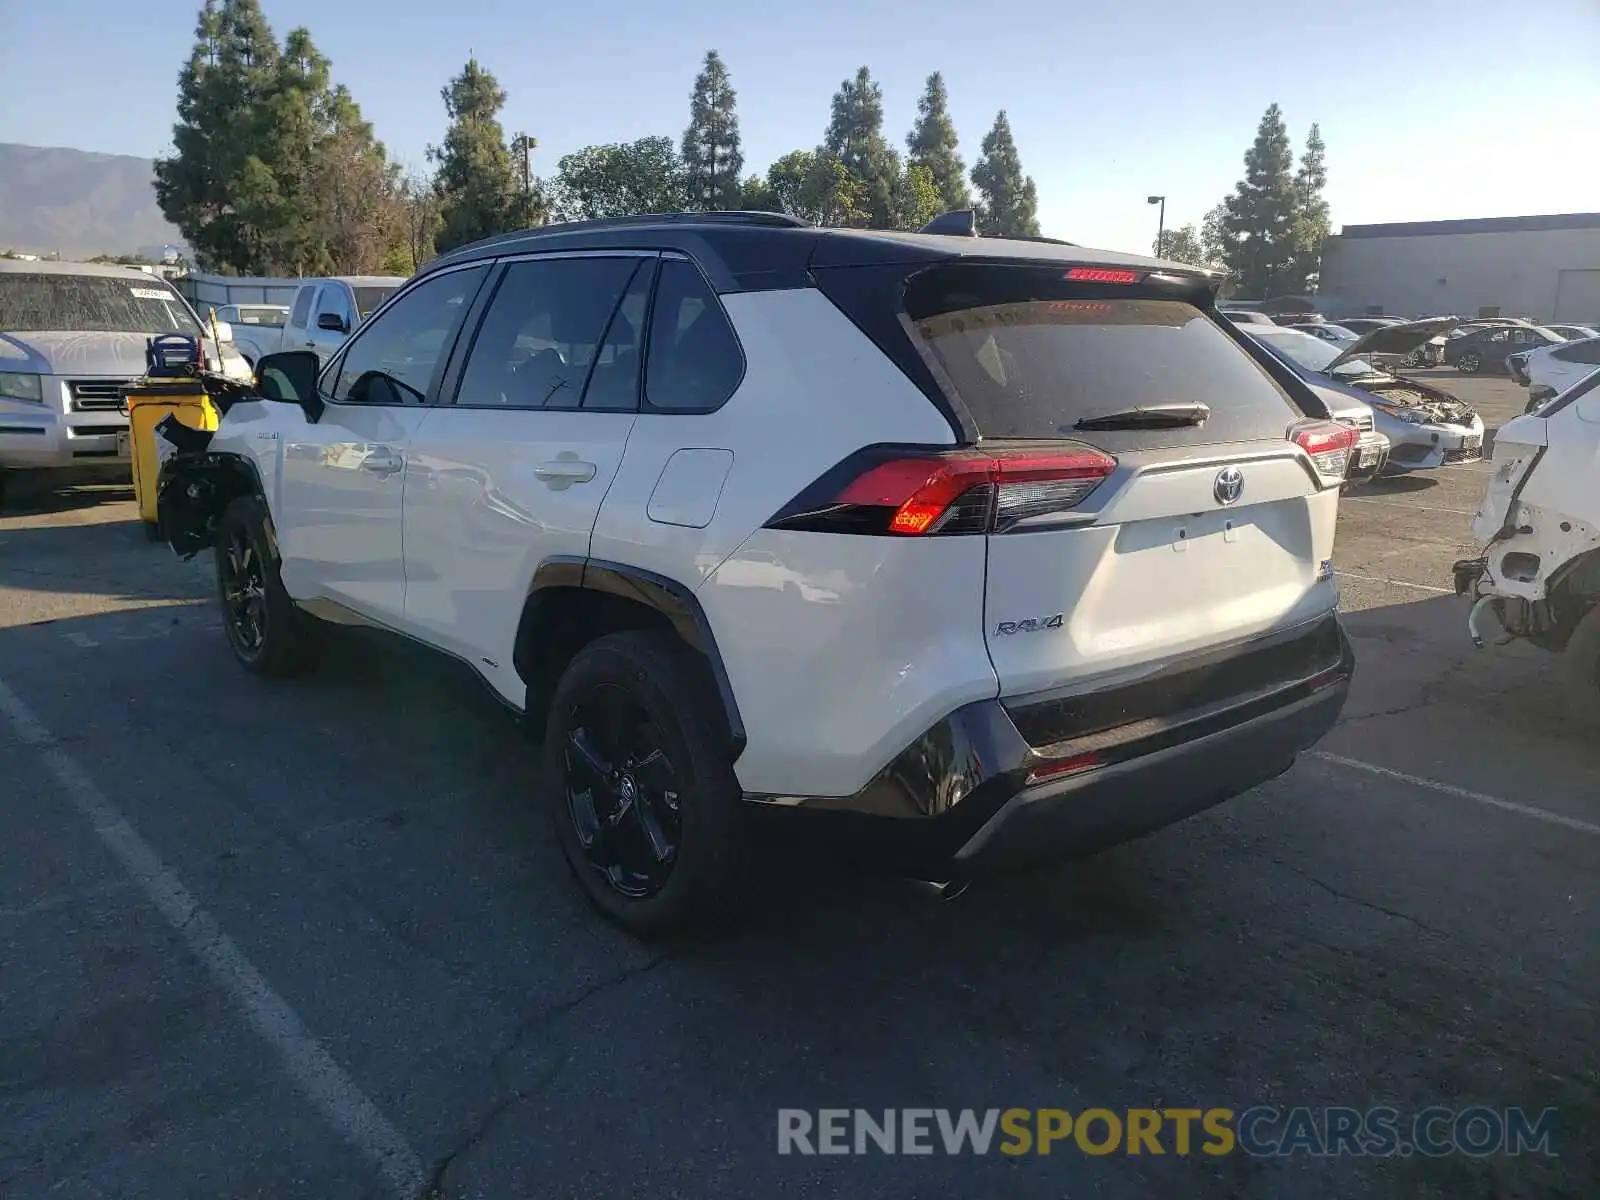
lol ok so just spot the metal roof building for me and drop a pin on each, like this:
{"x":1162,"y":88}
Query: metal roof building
{"x":1545,"y":267}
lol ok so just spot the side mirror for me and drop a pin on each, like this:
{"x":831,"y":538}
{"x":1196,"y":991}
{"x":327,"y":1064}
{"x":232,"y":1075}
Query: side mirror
{"x":333,"y":322}
{"x":291,"y":378}
{"x":224,"y":332}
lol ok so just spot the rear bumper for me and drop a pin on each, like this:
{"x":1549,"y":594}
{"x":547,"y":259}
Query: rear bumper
{"x":972,"y":794}
{"x":1372,"y":455}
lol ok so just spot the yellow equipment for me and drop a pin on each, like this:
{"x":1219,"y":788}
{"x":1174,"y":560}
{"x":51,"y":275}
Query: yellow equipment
{"x":148,"y":403}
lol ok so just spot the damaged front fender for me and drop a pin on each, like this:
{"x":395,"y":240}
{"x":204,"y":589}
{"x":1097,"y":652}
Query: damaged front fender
{"x":194,"y":489}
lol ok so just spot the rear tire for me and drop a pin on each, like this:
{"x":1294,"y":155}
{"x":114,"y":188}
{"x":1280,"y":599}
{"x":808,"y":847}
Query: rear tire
{"x":1581,"y":670}
{"x":640,"y":783}
{"x":267,"y":633}
{"x":1468,"y":364}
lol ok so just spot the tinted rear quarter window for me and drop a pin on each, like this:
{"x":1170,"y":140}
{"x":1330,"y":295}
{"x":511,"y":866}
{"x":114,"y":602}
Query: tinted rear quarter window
{"x":695,"y":362}
{"x":1029,"y":356}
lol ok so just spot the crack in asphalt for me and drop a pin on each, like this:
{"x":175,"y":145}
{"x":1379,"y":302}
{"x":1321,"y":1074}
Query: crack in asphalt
{"x":506,"y":1097}
{"x":1427,"y":695}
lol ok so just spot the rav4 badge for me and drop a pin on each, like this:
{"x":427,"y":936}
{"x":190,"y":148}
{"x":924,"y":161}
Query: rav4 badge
{"x":1032,"y":624}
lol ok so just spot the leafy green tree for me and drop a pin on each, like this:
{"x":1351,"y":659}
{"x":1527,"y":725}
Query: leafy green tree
{"x":916,"y":197}
{"x":855,"y":139}
{"x":479,"y":192}
{"x":711,"y":156}
{"x":932,"y":144}
{"x":1311,"y":222}
{"x":1181,"y":245}
{"x":1260,"y":217}
{"x":815,"y":186}
{"x":1008,"y":201}
{"x":221,"y":89}
{"x":619,"y":180}
{"x":756,"y":195}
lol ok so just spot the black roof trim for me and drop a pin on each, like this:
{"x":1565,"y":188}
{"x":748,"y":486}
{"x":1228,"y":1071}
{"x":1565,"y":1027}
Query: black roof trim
{"x":1541,"y":223}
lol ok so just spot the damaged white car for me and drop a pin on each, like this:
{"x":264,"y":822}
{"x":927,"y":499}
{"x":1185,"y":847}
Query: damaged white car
{"x":1425,"y":427}
{"x":1539,"y":575}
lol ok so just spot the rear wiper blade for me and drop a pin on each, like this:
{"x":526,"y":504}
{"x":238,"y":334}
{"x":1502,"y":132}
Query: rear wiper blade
{"x":1148,"y":416}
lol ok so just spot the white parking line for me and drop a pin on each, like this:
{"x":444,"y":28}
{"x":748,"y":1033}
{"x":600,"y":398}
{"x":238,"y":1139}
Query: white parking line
{"x":1450,"y":789}
{"x":1399,"y":503}
{"x":1421,"y":587}
{"x":334,"y":1093}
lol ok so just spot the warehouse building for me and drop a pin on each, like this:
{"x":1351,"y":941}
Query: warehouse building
{"x":1544,"y":267}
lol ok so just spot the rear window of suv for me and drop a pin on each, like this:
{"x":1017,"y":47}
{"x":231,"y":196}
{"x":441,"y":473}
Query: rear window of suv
{"x":1029,"y":355}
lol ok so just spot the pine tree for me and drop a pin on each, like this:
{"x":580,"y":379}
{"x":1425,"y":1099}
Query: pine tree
{"x":1312,"y":224}
{"x":1008,"y":201}
{"x":1259,"y":218}
{"x":855,"y":139}
{"x":479,"y":192}
{"x":221,"y":91}
{"x":932,"y":144}
{"x":711,"y":157}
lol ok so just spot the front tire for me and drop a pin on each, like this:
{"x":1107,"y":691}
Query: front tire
{"x":640,"y":782}
{"x":266,"y":632}
{"x":1469,"y":364}
{"x":1581,"y":669}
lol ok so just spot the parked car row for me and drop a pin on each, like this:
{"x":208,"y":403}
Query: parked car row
{"x":73,"y":334}
{"x":1406,"y":424}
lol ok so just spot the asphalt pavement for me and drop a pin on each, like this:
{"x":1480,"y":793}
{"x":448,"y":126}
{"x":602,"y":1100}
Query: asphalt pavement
{"x":311,"y":938}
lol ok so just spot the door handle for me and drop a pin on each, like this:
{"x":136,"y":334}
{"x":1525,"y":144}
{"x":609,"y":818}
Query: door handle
{"x":382,"y":462}
{"x":565,"y":470}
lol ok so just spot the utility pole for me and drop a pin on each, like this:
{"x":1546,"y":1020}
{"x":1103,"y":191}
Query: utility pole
{"x":524,"y":145}
{"x":1161,"y":222}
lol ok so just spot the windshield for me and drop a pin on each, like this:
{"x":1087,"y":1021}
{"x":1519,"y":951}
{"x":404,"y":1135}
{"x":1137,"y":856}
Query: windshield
{"x":91,"y":304}
{"x":368,"y":298}
{"x":1313,"y":354}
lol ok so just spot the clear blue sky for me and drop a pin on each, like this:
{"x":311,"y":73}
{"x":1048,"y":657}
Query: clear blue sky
{"x":1430,"y":108}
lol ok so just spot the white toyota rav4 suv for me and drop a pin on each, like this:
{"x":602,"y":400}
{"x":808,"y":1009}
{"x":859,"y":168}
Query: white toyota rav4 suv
{"x":968,"y":550}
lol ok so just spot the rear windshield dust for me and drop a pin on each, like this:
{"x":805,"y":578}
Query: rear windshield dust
{"x":1032,"y":366}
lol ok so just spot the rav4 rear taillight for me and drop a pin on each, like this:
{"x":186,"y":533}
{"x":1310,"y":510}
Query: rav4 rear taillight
{"x":1329,"y":445}
{"x":913,"y":492}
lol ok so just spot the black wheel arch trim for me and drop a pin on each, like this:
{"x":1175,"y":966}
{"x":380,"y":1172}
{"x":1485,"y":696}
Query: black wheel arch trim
{"x":188,"y":522}
{"x":667,"y":596}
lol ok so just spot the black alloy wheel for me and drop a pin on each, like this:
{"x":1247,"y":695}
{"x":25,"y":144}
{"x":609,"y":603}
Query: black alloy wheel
{"x":641,"y":790}
{"x":241,"y":573}
{"x":623,"y":793}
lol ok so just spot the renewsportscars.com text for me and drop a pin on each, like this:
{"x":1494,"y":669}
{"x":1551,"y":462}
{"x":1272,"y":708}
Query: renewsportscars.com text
{"x":1261,"y":1131}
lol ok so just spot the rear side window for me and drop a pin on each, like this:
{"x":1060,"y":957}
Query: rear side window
{"x":695,"y":362}
{"x":1029,"y":356}
{"x":545,"y":337}
{"x":301,"y":317}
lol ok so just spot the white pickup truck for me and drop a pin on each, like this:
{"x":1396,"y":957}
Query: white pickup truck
{"x":324,"y":313}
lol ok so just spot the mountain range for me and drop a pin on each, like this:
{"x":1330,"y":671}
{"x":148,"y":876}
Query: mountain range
{"x":78,"y":204}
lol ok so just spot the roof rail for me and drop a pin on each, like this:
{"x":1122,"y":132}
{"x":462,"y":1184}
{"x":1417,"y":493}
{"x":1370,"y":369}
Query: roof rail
{"x":959,"y":222}
{"x":732,"y":217}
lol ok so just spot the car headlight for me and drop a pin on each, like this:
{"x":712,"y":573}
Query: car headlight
{"x":27,"y":388}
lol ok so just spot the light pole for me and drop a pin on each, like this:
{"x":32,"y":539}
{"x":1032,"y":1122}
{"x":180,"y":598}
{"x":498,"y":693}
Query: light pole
{"x":1161,"y":220}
